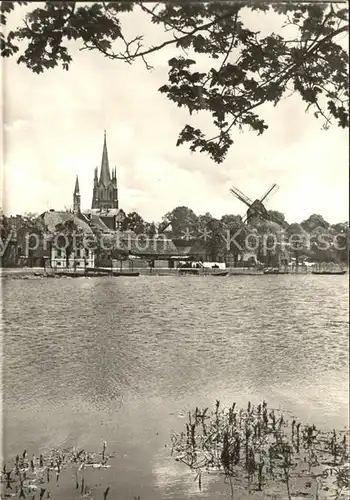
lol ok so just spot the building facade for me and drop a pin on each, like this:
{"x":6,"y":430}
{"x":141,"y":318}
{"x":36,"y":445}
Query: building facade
{"x":80,"y":258}
{"x":63,"y":248}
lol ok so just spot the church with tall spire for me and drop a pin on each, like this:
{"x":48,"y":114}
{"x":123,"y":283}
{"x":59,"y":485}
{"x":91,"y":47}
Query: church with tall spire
{"x":105,"y":191}
{"x":105,"y":212}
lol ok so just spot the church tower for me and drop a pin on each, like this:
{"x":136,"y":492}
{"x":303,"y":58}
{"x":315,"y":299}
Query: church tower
{"x":105,"y":192}
{"x":76,"y":198}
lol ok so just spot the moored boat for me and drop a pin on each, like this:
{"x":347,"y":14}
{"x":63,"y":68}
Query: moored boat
{"x":202,"y":271}
{"x":329,"y":269}
{"x":275,"y":271}
{"x":126,"y":273}
{"x":100,"y":271}
{"x":327,"y":273}
{"x":190,"y":270}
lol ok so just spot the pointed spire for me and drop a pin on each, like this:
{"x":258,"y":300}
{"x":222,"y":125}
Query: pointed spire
{"x":76,"y":189}
{"x":76,"y":197}
{"x":105,"y":176}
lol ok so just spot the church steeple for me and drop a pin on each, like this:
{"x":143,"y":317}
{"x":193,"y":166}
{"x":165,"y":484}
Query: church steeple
{"x":105,"y":176}
{"x":76,"y":197}
{"x":105,"y":192}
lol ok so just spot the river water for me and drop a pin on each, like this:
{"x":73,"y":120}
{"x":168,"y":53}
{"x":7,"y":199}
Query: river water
{"x":118,"y":359}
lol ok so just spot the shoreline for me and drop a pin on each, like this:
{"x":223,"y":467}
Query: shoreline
{"x":41,"y":273}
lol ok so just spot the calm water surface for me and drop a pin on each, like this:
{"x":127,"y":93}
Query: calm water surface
{"x":89,"y":360}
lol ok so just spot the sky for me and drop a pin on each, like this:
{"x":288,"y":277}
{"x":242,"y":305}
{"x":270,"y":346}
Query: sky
{"x":53,"y":126}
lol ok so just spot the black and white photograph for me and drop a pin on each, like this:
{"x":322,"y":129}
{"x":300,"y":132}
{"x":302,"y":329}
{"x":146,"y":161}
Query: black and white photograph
{"x":174,"y":256}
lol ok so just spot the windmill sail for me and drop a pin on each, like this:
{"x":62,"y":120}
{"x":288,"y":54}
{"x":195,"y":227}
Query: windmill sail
{"x":241,"y":196}
{"x":269,"y":193}
{"x":256,"y":208}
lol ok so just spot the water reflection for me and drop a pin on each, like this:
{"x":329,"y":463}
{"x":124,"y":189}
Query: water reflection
{"x":117,"y":359}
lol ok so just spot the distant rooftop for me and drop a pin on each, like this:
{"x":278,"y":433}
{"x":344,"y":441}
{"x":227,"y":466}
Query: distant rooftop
{"x":103,"y":211}
{"x":53,"y":218}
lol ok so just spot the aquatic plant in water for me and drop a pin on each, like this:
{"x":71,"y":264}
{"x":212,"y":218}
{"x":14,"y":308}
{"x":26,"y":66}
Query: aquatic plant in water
{"x":37,"y":478}
{"x":259,"y":451}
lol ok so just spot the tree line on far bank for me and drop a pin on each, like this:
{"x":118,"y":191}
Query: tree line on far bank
{"x":315,"y":237}
{"x":216,"y":238}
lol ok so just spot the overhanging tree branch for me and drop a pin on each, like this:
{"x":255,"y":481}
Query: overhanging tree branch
{"x":313,"y":64}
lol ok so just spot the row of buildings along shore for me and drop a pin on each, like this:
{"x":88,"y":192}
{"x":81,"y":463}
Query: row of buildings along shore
{"x":105,"y":220}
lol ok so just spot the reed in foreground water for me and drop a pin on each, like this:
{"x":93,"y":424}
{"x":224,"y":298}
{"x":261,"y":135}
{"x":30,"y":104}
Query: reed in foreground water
{"x":260,"y":452}
{"x":257,"y":450}
{"x":37,"y":478}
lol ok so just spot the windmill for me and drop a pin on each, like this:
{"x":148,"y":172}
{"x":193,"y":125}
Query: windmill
{"x":256,"y":209}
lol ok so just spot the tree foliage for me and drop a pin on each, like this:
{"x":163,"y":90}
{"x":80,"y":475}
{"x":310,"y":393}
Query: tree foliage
{"x":134,"y":222}
{"x":213,"y":237}
{"x":183,"y":221}
{"x":14,"y":233}
{"x":278,"y":217}
{"x":247,"y":69}
{"x":313,"y":222}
